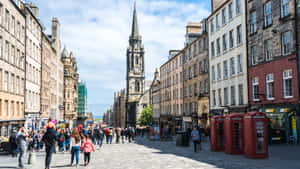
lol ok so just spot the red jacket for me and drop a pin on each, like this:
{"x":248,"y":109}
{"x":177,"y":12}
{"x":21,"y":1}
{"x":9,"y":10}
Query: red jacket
{"x":87,"y":146}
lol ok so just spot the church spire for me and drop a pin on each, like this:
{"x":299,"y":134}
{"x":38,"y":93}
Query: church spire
{"x":135,"y":27}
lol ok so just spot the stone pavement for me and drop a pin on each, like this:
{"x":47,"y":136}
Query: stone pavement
{"x":145,"y":154}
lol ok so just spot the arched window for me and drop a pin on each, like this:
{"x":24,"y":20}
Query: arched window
{"x":137,"y":86}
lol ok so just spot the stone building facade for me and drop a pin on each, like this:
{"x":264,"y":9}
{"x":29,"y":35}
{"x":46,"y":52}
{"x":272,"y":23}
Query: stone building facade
{"x":52,"y":76}
{"x":135,"y":78}
{"x":12,"y":66}
{"x":33,"y":66}
{"x":171,"y":87}
{"x":273,"y":42}
{"x":196,"y":82}
{"x":228,"y":58}
{"x":155,"y":97}
{"x":47,"y":52}
{"x":71,"y":88}
{"x":119,"y":111}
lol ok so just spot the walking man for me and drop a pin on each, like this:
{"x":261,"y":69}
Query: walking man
{"x":21,"y":141}
{"x":196,"y":138}
{"x":50,"y":140}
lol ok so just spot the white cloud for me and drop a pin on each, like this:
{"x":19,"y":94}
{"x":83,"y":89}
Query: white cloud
{"x":97,"y":32}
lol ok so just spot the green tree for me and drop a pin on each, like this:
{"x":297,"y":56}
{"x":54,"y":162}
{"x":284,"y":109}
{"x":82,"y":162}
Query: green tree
{"x":146,"y":116}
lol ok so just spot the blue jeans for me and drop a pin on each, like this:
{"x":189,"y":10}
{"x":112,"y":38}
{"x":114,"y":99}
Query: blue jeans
{"x":49,"y":152}
{"x":110,"y":139}
{"x":67,"y":144}
{"x":100,"y":141}
{"x":75,"y":150}
{"x":22,"y":151}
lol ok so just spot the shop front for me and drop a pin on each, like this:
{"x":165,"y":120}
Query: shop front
{"x":283,"y":123}
{"x":167,"y":124}
{"x":7,"y":126}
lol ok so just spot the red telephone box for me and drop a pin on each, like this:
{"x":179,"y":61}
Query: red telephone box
{"x":255,"y":135}
{"x":234,"y":134}
{"x":217,"y":141}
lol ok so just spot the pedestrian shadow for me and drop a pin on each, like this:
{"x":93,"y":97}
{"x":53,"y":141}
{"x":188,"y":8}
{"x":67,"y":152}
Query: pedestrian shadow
{"x":7,"y":167}
{"x":217,"y":159}
{"x":63,"y":166}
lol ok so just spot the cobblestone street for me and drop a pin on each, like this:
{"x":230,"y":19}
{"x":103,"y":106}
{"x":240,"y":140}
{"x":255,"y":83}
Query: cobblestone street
{"x":144,"y":154}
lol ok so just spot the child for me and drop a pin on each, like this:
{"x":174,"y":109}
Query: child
{"x":87,"y":147}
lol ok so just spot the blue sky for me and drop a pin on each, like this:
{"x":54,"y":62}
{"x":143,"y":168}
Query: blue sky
{"x":97,"y":32}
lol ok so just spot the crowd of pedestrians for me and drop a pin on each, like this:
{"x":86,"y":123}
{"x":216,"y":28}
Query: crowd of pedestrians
{"x":73,"y":141}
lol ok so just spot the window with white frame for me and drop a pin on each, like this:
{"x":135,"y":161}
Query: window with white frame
{"x":212,"y":26}
{"x":288,"y":83}
{"x":270,"y":86}
{"x":268,"y":13}
{"x":213,"y":75}
{"x":206,"y":86}
{"x":218,"y":46}
{"x":205,"y":66}
{"x":217,"y":21}
{"x":6,"y":20}
{"x":285,"y":8}
{"x":220,"y":97}
{"x":253,"y":27}
{"x":239,"y":64}
{"x":286,"y":43}
{"x":12,"y":52}
{"x":255,"y":89}
{"x":213,"y":49}
{"x":224,"y":43}
{"x":226,"y":96}
{"x":12,"y":84}
{"x":225,"y":69}
{"x":231,"y":39}
{"x":232,"y":92}
{"x":232,"y":68}
{"x":201,"y":88}
{"x":18,"y":30}
{"x":238,"y":6}
{"x":268,"y":49}
{"x":230,"y":11}
{"x":239,"y":34}
{"x":1,"y":10}
{"x":241,"y":94}
{"x":254,"y":57}
{"x":6,"y":49}
{"x":17,"y":85}
{"x":224,"y":16}
{"x":219,"y":71}
{"x":12,"y":25}
{"x":191,"y":90}
{"x":5,"y":81}
{"x":201,"y":67}
{"x":195,"y":89}
{"x":214,"y":97}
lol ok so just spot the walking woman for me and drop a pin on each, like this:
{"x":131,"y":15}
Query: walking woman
{"x":50,"y":140}
{"x":87,"y":146}
{"x":75,"y":144}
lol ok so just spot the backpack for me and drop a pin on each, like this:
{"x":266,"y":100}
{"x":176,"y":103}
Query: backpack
{"x":62,"y":138}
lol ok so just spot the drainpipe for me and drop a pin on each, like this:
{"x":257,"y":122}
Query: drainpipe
{"x":25,"y":65}
{"x":297,"y":51}
{"x":246,"y":54}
